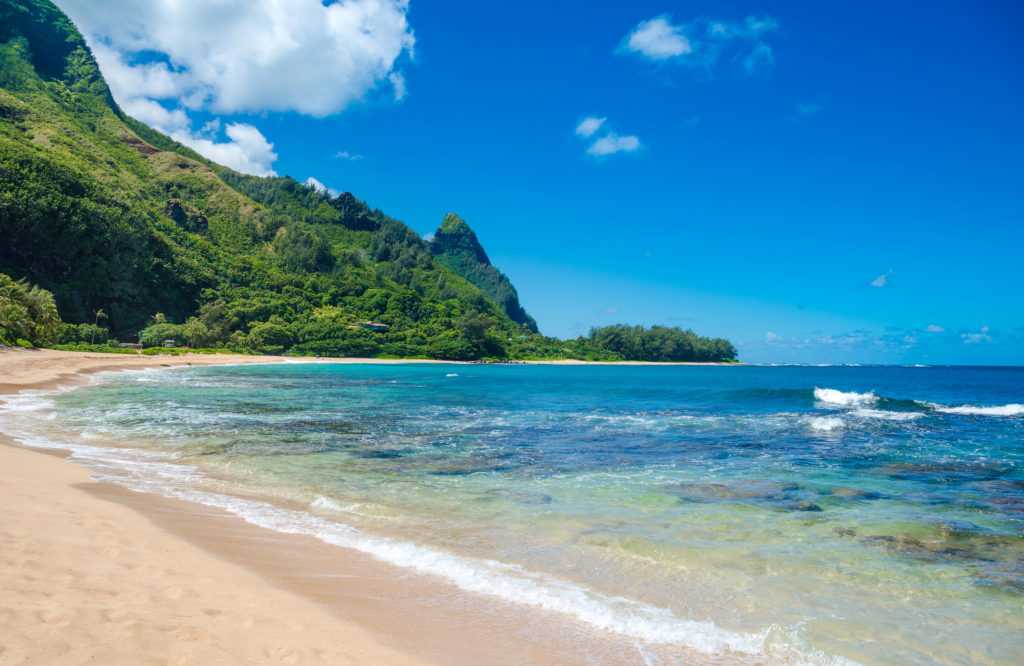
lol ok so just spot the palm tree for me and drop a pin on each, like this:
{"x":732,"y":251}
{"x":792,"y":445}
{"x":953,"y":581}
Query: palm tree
{"x":96,"y":323}
{"x":14,"y":316}
{"x":44,"y":313}
{"x":196,"y":330}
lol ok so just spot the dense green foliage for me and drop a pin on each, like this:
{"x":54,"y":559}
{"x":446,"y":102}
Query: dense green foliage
{"x":27,"y":313}
{"x":131,"y":230}
{"x":660,"y":343}
{"x":455,"y":245}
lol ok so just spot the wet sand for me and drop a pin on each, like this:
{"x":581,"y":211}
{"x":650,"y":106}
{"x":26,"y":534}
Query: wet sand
{"x":95,"y":572}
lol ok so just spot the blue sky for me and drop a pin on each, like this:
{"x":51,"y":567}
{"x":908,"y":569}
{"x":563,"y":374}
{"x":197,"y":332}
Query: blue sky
{"x":818,"y":182}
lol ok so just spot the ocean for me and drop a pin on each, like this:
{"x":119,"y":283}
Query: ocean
{"x":771,"y":513}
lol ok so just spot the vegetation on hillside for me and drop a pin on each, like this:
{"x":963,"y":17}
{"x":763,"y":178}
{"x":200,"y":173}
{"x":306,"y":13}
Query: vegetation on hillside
{"x":28,"y":315}
{"x":112,"y":217}
{"x":455,"y":245}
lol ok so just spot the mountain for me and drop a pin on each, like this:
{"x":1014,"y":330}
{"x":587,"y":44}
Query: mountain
{"x":455,"y":245}
{"x":129,"y":227}
{"x":110,"y":215}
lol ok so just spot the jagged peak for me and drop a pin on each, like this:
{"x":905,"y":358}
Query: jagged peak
{"x":452,"y":223}
{"x":454,"y":234}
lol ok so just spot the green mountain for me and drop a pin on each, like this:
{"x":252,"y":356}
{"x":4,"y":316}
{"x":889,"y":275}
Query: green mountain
{"x":133,"y":230}
{"x":108,"y":214}
{"x":455,"y":245}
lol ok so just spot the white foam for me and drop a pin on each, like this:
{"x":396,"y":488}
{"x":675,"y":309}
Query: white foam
{"x":148,"y":471}
{"x":886,"y":415}
{"x":322,"y":502}
{"x":826,"y":423}
{"x":845,"y":399}
{"x":1013,"y":409}
{"x":506,"y":581}
{"x":452,"y":374}
{"x":26,"y":401}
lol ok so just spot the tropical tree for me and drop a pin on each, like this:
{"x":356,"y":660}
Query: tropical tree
{"x":99,"y":313}
{"x":26,"y":312}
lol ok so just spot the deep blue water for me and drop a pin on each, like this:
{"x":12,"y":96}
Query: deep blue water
{"x":874,"y":514}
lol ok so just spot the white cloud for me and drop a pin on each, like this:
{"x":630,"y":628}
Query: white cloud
{"x":398,"y":85}
{"x":243,"y":56}
{"x":932,"y":328}
{"x":975,"y":338}
{"x":760,"y":58}
{"x":702,"y":42}
{"x":589,"y":125}
{"x":320,"y":187}
{"x":345,"y":155}
{"x":881,"y":280}
{"x":611,"y":310}
{"x":247,"y":150}
{"x":608,"y":144}
{"x":771,"y":337}
{"x":613,"y":143}
{"x":248,"y":55}
{"x":658,"y":39}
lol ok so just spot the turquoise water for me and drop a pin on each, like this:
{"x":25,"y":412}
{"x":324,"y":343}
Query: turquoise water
{"x":784,"y":513}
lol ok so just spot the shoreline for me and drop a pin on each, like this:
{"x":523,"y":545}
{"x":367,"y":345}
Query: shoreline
{"x":223,"y":569}
{"x":87,"y":575}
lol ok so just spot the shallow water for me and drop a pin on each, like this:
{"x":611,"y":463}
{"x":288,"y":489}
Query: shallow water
{"x":807,"y":513}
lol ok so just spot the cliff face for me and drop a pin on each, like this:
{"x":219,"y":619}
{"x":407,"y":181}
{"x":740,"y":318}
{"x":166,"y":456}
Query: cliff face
{"x":455,"y":245}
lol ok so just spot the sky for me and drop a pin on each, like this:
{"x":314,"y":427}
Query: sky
{"x":817,"y":182}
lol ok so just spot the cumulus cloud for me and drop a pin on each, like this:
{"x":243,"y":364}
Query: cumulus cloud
{"x":246,"y":150}
{"x":932,"y":328}
{"x":589,"y":125}
{"x":702,"y":42}
{"x":771,"y":337}
{"x":320,"y":187}
{"x":609,"y":143}
{"x":610,"y":310}
{"x":613,"y":143}
{"x":249,"y":55}
{"x":658,"y":39}
{"x":164,"y":59}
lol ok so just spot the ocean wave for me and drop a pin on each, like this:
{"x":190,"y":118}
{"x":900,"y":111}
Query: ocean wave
{"x":843,"y":398}
{"x":887,"y":415}
{"x":147,"y":471}
{"x":826,"y":423}
{"x":1013,"y":409}
{"x":26,"y":401}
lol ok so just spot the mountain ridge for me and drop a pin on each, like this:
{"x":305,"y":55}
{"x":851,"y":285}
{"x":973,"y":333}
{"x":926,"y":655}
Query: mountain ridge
{"x":121,"y":222}
{"x":456,"y":246}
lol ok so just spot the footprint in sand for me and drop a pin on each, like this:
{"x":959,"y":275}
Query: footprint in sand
{"x":54,"y":618}
{"x":116,"y":616}
{"x":235,"y":618}
{"x":190,"y":634}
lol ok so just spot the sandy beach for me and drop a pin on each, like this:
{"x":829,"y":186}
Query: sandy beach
{"x":89,"y":580}
{"x":92,"y":572}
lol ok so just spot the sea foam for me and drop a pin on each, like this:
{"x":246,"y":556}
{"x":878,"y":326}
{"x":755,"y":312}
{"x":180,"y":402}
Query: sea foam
{"x":155,"y":472}
{"x":845,"y":399}
{"x":975,"y":410}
